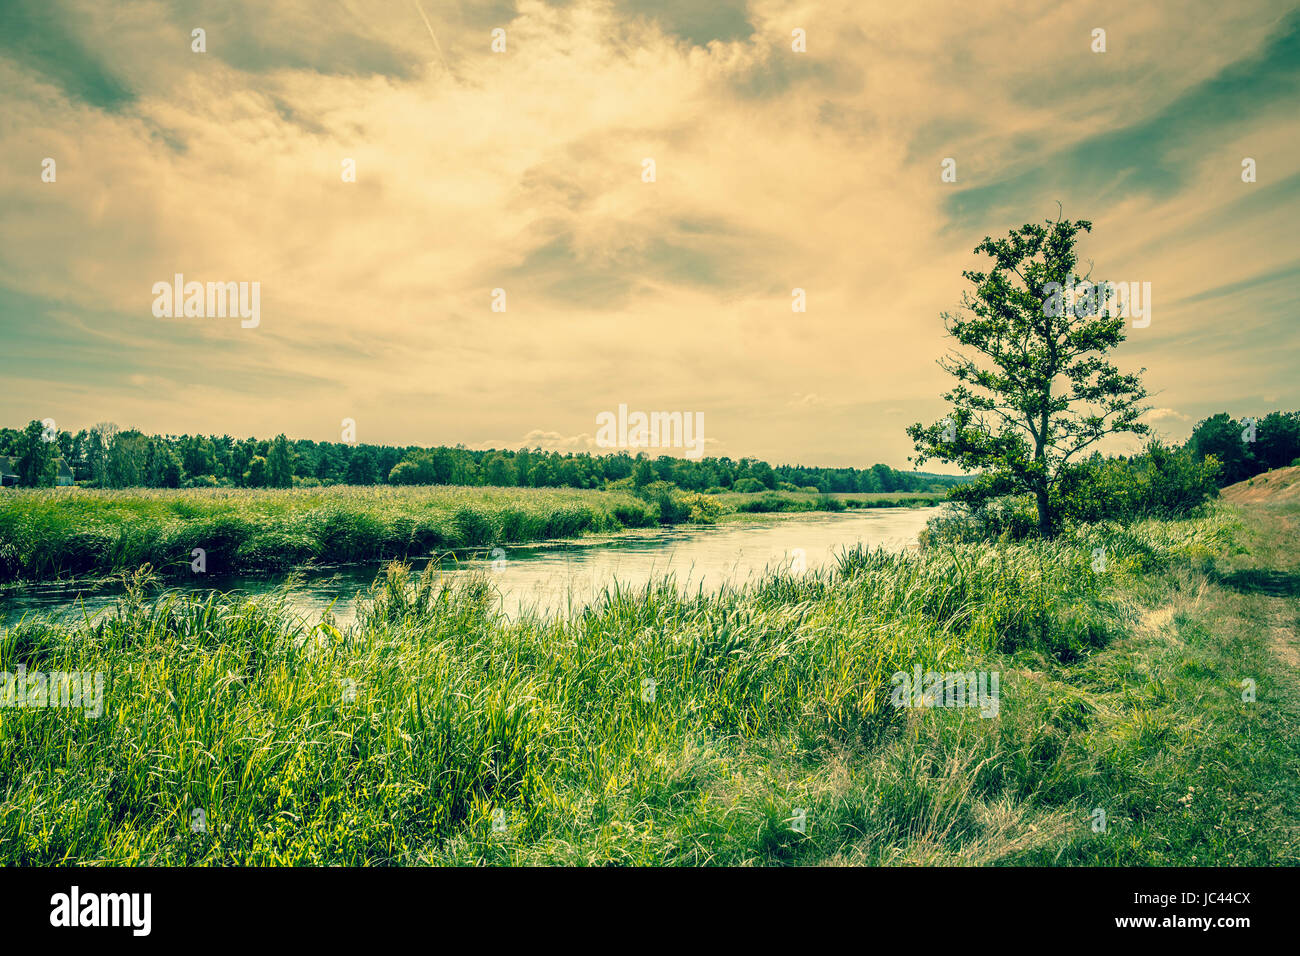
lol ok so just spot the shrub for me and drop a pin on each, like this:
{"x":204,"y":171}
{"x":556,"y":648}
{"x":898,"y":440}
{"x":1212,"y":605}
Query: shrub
{"x":702,"y":509}
{"x":1009,"y":518}
{"x":671,"y":503}
{"x":772,"y":503}
{"x":1160,"y":483}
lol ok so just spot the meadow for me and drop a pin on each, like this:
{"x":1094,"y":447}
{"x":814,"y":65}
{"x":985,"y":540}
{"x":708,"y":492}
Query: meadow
{"x":70,"y":532}
{"x":751,"y":726}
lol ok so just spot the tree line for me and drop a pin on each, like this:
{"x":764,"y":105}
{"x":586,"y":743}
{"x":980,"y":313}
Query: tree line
{"x":108,"y":457}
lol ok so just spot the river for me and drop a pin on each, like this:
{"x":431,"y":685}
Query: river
{"x":559,"y":576}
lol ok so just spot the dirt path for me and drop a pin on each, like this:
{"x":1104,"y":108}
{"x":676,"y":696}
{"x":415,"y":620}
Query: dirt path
{"x":1269,"y":576}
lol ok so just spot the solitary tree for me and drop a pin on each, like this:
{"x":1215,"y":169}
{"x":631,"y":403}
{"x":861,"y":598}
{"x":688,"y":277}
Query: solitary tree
{"x":1036,"y":388}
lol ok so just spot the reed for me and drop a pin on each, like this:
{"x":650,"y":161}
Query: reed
{"x":63,"y":532}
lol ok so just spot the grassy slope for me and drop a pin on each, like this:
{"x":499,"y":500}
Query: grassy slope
{"x":1120,"y":690}
{"x":1278,"y":486}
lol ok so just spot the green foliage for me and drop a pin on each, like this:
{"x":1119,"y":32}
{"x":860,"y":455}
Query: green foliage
{"x":106,"y":457}
{"x":702,"y":508}
{"x":279,"y":464}
{"x":34,"y":457}
{"x":769,"y":503}
{"x":673,"y":506}
{"x":1243,"y":449}
{"x":1160,"y":483}
{"x":417,"y":468}
{"x":1004,"y":518}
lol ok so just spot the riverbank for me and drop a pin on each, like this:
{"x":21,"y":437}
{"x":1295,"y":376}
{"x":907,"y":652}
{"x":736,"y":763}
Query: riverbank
{"x":546,"y":577}
{"x":78,"y":533}
{"x":756,"y":725}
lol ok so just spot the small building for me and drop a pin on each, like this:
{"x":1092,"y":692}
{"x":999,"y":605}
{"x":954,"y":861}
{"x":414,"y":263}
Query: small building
{"x":63,"y":475}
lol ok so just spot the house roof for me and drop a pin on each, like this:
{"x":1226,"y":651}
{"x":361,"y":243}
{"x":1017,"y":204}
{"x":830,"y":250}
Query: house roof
{"x":9,"y":467}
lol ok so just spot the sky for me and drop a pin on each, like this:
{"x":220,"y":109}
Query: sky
{"x":524,"y":170}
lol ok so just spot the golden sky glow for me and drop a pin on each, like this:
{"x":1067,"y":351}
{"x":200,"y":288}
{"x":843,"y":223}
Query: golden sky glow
{"x":522,"y":170}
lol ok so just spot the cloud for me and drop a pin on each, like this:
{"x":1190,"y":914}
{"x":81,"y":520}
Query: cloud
{"x":522,"y":171}
{"x":554,"y":441}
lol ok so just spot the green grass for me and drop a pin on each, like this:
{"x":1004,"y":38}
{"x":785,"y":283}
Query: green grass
{"x":72,"y":532}
{"x":766,"y":699}
{"x":83,"y":532}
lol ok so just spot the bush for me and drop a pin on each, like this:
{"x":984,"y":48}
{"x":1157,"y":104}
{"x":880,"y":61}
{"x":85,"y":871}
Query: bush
{"x":1009,"y":518}
{"x":633,"y":516}
{"x":773,"y":502}
{"x":748,"y":486}
{"x":703,"y":509}
{"x":1160,"y":483}
{"x":672,"y":510}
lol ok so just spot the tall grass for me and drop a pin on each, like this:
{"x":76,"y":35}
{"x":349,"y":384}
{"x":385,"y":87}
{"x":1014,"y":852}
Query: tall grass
{"x":46,"y":533}
{"x":652,"y":727}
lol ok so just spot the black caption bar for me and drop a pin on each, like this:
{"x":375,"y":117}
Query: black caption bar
{"x":332,"y":906}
